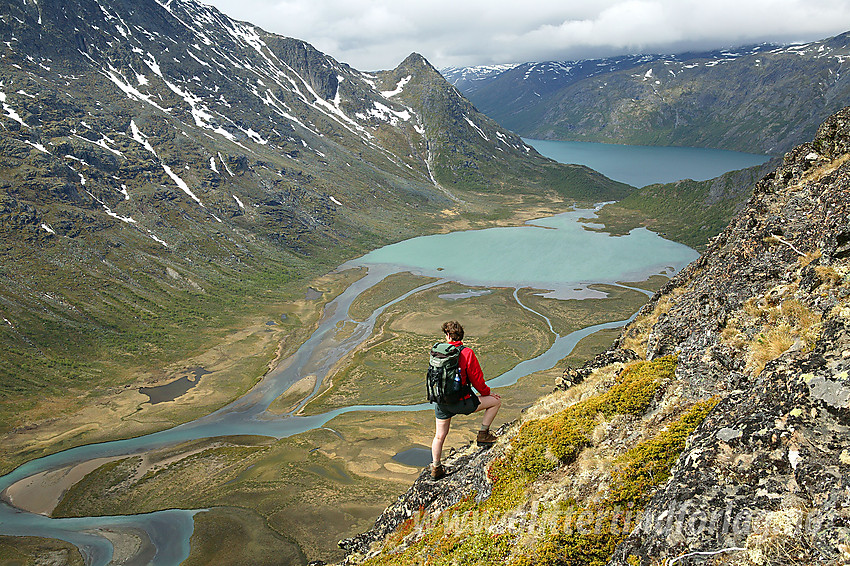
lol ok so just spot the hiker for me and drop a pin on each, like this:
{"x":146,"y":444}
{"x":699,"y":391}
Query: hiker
{"x":471,"y":374}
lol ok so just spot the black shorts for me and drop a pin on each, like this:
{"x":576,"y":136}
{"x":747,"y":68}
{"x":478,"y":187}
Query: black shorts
{"x":464,"y":407}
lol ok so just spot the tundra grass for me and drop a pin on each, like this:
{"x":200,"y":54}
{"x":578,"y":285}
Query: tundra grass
{"x":34,"y":551}
{"x":388,"y":368}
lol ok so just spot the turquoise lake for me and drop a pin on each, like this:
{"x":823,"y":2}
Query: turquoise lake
{"x":562,"y":253}
{"x":644,"y":165}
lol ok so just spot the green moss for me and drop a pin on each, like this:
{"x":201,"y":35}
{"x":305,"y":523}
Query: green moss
{"x":593,"y":531}
{"x":648,"y":464}
{"x":542,"y":445}
{"x":581,"y":534}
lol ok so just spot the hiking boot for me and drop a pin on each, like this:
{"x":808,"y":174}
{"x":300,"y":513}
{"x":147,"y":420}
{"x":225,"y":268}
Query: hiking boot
{"x":437,"y":471}
{"x":485,"y":438}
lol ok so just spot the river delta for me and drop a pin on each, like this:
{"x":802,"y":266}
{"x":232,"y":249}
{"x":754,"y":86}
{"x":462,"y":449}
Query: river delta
{"x":314,"y":451}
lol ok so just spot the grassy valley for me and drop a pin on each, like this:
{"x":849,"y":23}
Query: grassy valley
{"x":296,"y":497}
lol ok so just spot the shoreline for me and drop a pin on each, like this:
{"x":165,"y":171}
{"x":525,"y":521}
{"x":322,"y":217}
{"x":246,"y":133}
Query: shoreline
{"x":42,"y":492}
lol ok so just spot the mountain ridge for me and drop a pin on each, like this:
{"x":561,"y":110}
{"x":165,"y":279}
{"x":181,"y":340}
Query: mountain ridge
{"x":725,"y":99}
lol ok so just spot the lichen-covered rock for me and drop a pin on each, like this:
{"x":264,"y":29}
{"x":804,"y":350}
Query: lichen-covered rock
{"x":777,"y":446}
{"x":761,"y":323}
{"x":467,"y":475}
{"x":574,"y":376}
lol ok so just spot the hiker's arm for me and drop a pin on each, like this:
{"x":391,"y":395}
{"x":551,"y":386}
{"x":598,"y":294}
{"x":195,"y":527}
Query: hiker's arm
{"x":475,"y":375}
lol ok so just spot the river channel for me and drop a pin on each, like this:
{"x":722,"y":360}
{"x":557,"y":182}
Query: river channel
{"x":559,"y":254}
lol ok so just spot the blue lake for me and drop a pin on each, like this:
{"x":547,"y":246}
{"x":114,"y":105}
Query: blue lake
{"x":561,"y":253}
{"x":644,"y":165}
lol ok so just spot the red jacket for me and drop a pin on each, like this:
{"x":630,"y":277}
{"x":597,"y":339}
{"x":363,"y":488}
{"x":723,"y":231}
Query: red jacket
{"x":470,"y":369}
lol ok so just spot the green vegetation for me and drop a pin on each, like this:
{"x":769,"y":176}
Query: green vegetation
{"x":570,"y":531}
{"x":32,"y":551}
{"x":542,"y":445}
{"x":232,"y":535}
{"x":690,"y":212}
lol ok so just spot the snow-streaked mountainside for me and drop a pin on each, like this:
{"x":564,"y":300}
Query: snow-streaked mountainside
{"x":467,"y":79}
{"x":762,"y":98}
{"x":560,"y":73}
{"x":159,"y":160}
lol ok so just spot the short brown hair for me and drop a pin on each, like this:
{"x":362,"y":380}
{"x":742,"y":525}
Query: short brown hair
{"x":453,"y":329}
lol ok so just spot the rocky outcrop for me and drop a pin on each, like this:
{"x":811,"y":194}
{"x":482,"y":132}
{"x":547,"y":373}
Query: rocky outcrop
{"x":466,"y":476}
{"x":760,"y":325}
{"x":776,"y":450}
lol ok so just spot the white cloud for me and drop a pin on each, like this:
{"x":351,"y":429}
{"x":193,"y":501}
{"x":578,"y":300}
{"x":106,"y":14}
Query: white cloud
{"x":378,"y":34}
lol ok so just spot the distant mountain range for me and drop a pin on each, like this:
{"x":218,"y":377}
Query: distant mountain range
{"x":760,"y":99}
{"x":163,"y":167}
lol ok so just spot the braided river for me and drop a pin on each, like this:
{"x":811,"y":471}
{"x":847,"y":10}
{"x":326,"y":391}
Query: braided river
{"x":560,"y":254}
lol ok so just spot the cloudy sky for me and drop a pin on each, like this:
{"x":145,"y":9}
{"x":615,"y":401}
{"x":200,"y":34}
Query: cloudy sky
{"x":379,"y":34}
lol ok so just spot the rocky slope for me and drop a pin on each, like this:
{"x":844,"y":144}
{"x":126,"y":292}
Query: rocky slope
{"x":166,"y":170}
{"x":713,"y":431}
{"x":760,"y":99}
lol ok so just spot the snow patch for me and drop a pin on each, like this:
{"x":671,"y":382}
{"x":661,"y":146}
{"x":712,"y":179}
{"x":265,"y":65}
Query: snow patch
{"x":140,"y":137}
{"x":239,"y":202}
{"x":182,"y":184}
{"x":153,"y":65}
{"x":335,"y":201}
{"x":223,"y":162}
{"x":200,"y":113}
{"x":398,"y":88}
{"x":385,"y":113}
{"x":47,"y":229}
{"x":212,"y":165}
{"x":127,"y":219}
{"x":155,"y":239}
{"x":10,"y":112}
{"x":132,"y":92}
{"x":101,"y":142}
{"x":480,"y":131}
{"x":38,"y":146}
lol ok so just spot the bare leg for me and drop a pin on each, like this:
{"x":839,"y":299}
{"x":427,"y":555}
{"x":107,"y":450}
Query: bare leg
{"x":439,"y":438}
{"x":490,"y":404}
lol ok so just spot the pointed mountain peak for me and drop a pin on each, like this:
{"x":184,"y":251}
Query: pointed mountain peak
{"x":415,"y":62}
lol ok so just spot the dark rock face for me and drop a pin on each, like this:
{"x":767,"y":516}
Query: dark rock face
{"x":776,"y":450}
